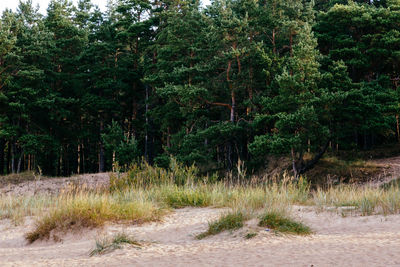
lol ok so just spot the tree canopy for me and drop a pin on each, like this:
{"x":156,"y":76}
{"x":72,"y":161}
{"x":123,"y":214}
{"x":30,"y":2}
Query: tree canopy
{"x":238,"y":80}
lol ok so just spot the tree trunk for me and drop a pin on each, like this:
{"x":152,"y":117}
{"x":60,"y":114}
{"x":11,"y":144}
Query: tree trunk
{"x":146,"y":137}
{"x":13,"y":157}
{"x":20,"y":161}
{"x":83,"y":157}
{"x":398,"y":128}
{"x":294,"y":166}
{"x":101,"y":150}
{"x":78,"y":168}
{"x":233,"y":106}
{"x":273,"y":41}
{"x":2,"y":148}
{"x":8,"y":164}
{"x":311,"y":163}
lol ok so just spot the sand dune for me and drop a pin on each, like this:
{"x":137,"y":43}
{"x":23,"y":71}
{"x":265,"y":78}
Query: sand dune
{"x":338,"y":241}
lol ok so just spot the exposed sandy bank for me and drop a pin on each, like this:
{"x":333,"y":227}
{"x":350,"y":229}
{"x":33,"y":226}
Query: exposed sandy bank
{"x":338,"y":241}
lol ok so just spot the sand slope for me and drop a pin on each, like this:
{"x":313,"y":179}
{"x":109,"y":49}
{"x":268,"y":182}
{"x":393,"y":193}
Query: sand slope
{"x":338,"y":241}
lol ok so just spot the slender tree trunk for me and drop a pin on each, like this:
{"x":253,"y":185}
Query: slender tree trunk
{"x":233,"y":106}
{"x":294,"y":167}
{"x":273,"y":41}
{"x":78,"y":169}
{"x":113,"y":161}
{"x":13,"y":157}
{"x":8,"y":158}
{"x":20,"y":161}
{"x":83,"y":157}
{"x":146,"y":137}
{"x":169,"y":137}
{"x":250,"y":89}
{"x":2,"y":148}
{"x":291,"y":44}
{"x":101,"y":150}
{"x":398,"y":128}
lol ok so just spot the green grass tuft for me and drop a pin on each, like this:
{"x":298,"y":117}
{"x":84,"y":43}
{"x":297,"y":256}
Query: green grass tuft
{"x":284,"y":224}
{"x":250,"y":235}
{"x":106,"y":245}
{"x":229,"y":221}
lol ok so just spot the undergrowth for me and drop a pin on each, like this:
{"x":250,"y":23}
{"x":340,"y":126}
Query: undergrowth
{"x":283,"y":223}
{"x":89,"y":210}
{"x":146,"y":193}
{"x":109,"y":244}
{"x":228,"y":221}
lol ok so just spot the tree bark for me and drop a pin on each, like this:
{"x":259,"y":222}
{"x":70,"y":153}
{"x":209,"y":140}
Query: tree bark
{"x":398,"y":128}
{"x":294,"y":165}
{"x":2,"y":148}
{"x":146,"y":137}
{"x":101,"y":150}
{"x":13,"y":157}
{"x":20,"y":161}
{"x":304,"y":167}
{"x":78,"y":169}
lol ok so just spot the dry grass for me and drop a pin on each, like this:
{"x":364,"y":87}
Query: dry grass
{"x":18,"y":207}
{"x":88,"y":210}
{"x":365,"y":200}
{"x":73,"y":210}
{"x":134,"y":200}
{"x":108,"y":244}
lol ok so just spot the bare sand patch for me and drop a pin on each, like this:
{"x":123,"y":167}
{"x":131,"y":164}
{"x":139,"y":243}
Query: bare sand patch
{"x":337,"y":241}
{"x":53,"y":185}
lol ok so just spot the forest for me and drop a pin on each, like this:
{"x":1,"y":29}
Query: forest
{"x":86,"y":91}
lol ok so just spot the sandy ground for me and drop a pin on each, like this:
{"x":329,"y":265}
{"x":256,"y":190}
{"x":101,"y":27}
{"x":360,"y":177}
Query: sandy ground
{"x":54,"y":185}
{"x":390,"y":170}
{"x":337,"y":241}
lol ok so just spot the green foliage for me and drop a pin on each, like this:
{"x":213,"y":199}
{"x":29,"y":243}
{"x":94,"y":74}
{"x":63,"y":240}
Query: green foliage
{"x":283,"y":224}
{"x":229,"y":221}
{"x":123,"y":149}
{"x":145,"y":175}
{"x":236,"y":81}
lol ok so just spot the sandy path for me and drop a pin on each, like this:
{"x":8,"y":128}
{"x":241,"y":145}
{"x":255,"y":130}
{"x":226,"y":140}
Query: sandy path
{"x":338,"y":241}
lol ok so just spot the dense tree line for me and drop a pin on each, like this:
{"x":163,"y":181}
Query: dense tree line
{"x":82,"y":89}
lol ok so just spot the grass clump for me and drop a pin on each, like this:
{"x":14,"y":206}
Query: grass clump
{"x":282,"y":223}
{"x":229,"y":221}
{"x":185,"y":196}
{"x":144,"y":175}
{"x":366,"y":200}
{"x":89,"y":210}
{"x":250,"y":235}
{"x":16,"y":208}
{"x":106,"y":245}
